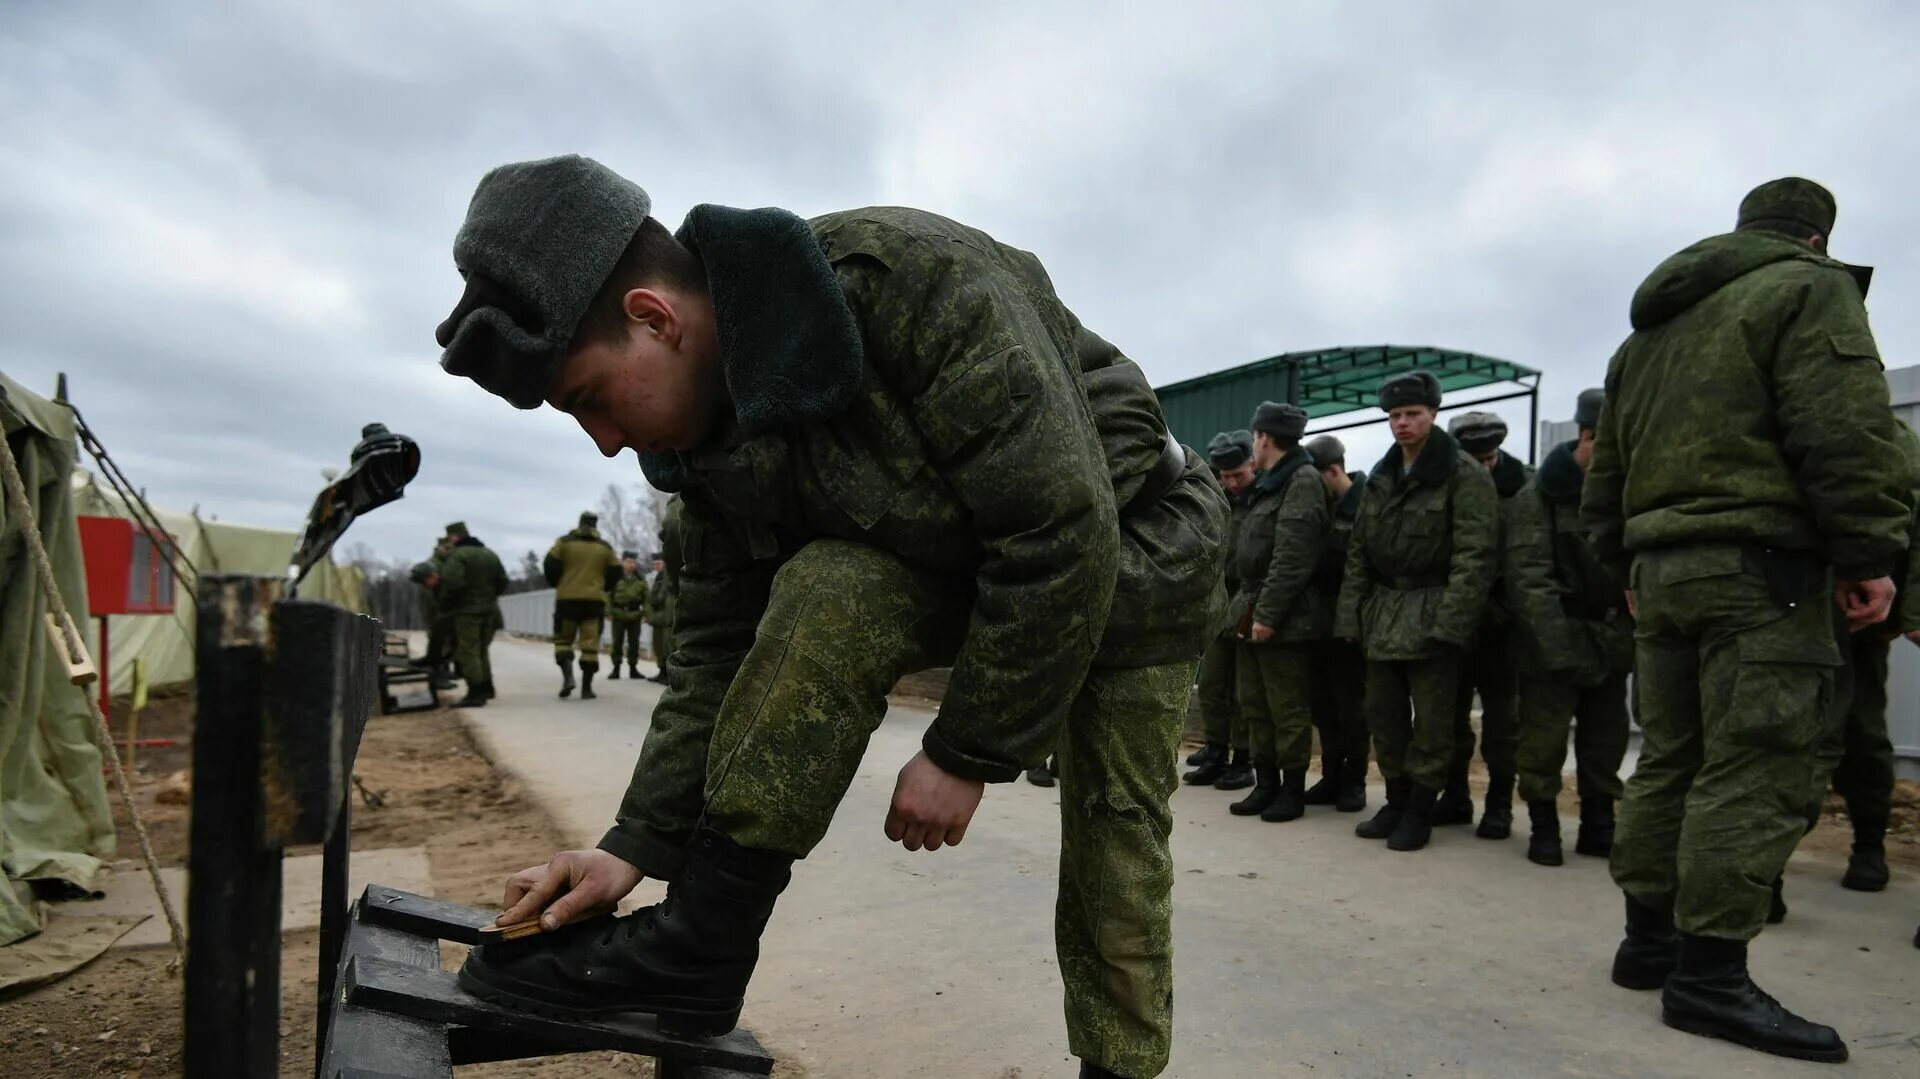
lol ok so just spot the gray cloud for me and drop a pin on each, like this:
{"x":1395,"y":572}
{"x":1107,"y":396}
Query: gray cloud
{"x":233,"y":232}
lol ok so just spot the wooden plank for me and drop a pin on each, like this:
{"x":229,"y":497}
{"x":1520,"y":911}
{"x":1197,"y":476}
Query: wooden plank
{"x":322,"y":689}
{"x":434,"y":995}
{"x":370,"y":1042}
{"x":428,"y":917}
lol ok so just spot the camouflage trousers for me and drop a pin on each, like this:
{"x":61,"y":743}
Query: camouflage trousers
{"x":1597,"y":718}
{"x":1218,"y":716}
{"x":626,"y":642}
{"x":581,"y":632}
{"x":1487,"y":672}
{"x":662,"y":643}
{"x":472,"y":635}
{"x":1857,"y":754}
{"x":843,"y":622}
{"x":1276,"y":703}
{"x":1410,"y":705}
{"x":440,"y":640}
{"x":1338,"y":690}
{"x":1735,"y":695}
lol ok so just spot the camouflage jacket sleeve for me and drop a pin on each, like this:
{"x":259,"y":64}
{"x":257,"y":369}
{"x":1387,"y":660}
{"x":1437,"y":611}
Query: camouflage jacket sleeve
{"x":1533,"y":590}
{"x":1907,"y":615}
{"x":1836,"y":424}
{"x":996,"y":397}
{"x":723,"y":592}
{"x":1299,"y":531}
{"x":1476,"y":552}
{"x":1602,"y":500}
{"x":1357,"y":582}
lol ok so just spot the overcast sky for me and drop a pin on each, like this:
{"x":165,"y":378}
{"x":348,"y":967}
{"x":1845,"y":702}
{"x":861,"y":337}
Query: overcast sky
{"x":233,"y":231}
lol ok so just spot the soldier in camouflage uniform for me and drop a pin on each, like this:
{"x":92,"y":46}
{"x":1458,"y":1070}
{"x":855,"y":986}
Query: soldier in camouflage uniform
{"x":1573,"y":644}
{"x":581,"y":567}
{"x":472,"y":580}
{"x":627,"y":609}
{"x":895,"y":448}
{"x":1487,"y":671}
{"x":1750,"y":351}
{"x":1230,"y":454}
{"x":664,"y":588}
{"x":1418,"y":569}
{"x":438,"y":660}
{"x":1275,"y":556}
{"x":1339,"y":667}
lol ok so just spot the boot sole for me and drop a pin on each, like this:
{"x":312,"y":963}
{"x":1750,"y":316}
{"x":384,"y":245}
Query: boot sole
{"x":1593,"y":851}
{"x":1485,"y":832}
{"x":1550,"y":861}
{"x":1640,"y":981}
{"x":678,"y":1017}
{"x":1854,"y":884}
{"x":1705,"y":1029}
{"x":1233,"y":786}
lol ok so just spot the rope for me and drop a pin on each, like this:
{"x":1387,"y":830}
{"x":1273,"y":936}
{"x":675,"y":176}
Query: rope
{"x":135,"y":504}
{"x":76,"y":655}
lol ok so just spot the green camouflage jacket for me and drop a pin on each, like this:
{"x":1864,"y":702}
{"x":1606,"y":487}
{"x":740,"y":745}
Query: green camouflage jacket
{"x":1748,"y":407}
{"x":1509,"y":475}
{"x":1570,"y":611}
{"x":1906,"y":617}
{"x":628,"y":601}
{"x":666,"y":583}
{"x":1236,"y":523}
{"x":472,"y":580}
{"x":581,"y":566}
{"x":1279,"y":548}
{"x":1423,"y":555}
{"x":903,"y":381}
{"x":1332,"y":568}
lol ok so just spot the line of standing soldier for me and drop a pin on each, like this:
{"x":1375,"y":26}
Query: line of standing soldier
{"x":592,"y":586}
{"x":460,"y":590}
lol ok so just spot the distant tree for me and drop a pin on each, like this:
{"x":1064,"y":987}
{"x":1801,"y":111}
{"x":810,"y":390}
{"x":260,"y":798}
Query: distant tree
{"x":630,"y":517}
{"x":529,"y":577}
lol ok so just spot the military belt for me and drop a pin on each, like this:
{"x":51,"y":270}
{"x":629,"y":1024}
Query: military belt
{"x":1409,"y":584}
{"x":1161,"y":477}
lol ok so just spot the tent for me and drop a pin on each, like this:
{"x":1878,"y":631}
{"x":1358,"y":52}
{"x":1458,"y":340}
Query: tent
{"x":165,"y":642}
{"x":55,"y":826}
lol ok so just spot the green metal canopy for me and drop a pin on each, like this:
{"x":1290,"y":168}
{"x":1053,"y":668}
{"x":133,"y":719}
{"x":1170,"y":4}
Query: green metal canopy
{"x":1328,"y":382}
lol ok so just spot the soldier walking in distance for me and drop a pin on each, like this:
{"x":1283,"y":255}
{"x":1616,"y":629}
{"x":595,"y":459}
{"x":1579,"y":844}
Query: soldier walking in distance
{"x":1339,"y":667}
{"x":472,"y":580}
{"x":664,"y":589}
{"x":1418,"y":569}
{"x":1230,"y":454}
{"x":581,"y":567}
{"x":1750,"y":350}
{"x":1277,"y":552}
{"x":627,"y":610}
{"x":1487,"y":671}
{"x":1573,"y":641}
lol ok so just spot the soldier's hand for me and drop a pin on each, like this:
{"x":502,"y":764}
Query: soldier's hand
{"x":575,"y":885}
{"x":1865,"y":602}
{"x":1632,"y":610}
{"x":1914,"y":636}
{"x":1261,"y":633}
{"x":931,"y":807}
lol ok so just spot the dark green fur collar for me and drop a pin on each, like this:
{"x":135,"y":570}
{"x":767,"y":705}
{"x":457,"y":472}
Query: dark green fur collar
{"x":1275,"y":478}
{"x":1509,"y":475}
{"x":1436,"y":462}
{"x":1560,"y":478}
{"x":790,"y":349}
{"x":1349,"y":505}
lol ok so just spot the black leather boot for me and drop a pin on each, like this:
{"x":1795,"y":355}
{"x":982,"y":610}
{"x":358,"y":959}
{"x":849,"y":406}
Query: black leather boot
{"x":1040,"y":775}
{"x":1867,"y":865}
{"x":615,"y":676}
{"x":1382,"y":824}
{"x":1416,"y":824}
{"x":1211,"y":753}
{"x":1496,"y":822}
{"x":1239,"y":773}
{"x":1291,"y":802}
{"x":587,"y":671}
{"x":566,"y":675}
{"x":488,"y":688}
{"x":1596,"y":828}
{"x":1326,"y":790}
{"x":1352,"y":797}
{"x":1543,"y":844}
{"x":633,"y":671}
{"x":1095,"y":1071}
{"x":1649,"y":951}
{"x":686,"y":960}
{"x":1266,"y":787}
{"x":1777,"y":906}
{"x":478,"y":694}
{"x":1455,"y":803}
{"x":1211,"y":767}
{"x":1711,"y":994}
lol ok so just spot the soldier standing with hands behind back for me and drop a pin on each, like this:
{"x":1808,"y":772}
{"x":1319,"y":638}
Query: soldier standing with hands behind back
{"x":581,"y":568}
{"x":627,"y":609}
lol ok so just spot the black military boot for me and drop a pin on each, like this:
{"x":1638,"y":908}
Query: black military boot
{"x":1711,"y":994}
{"x":615,"y":676}
{"x":1496,"y":821}
{"x":1543,"y":845}
{"x":1040,"y":775}
{"x":1416,"y":824}
{"x":478,"y":693}
{"x":1327,"y":789}
{"x":686,"y":960}
{"x":487,"y":687}
{"x":1596,"y":828}
{"x":633,"y":671}
{"x":1455,"y":802}
{"x":587,"y":671}
{"x":1777,"y":906}
{"x":1867,"y":865}
{"x":566,"y":676}
{"x":1650,"y":949}
{"x":1352,"y":796}
{"x":1238,"y":776}
{"x":1095,"y":1071}
{"x":1211,"y":753}
{"x":1212,"y":766}
{"x":1266,"y":787}
{"x":1291,"y":802}
{"x":1382,"y":824}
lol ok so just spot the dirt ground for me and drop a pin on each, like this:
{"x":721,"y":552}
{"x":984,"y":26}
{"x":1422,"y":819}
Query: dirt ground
{"x":120,"y":1016}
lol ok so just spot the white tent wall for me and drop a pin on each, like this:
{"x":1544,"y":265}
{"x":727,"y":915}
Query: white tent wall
{"x":165,"y":642}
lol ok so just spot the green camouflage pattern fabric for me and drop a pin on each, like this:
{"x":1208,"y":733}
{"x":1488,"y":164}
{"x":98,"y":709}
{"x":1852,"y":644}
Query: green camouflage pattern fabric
{"x":1273,"y":686}
{"x":472,"y":580}
{"x":1487,"y":671}
{"x":577,"y":634}
{"x":580,"y":566}
{"x":1736,"y":698}
{"x":1751,"y":354}
{"x":1570,"y":610}
{"x":1219,"y":717}
{"x":1597,"y":715}
{"x":1857,"y":757}
{"x":1409,"y":707}
{"x":1422,"y":556}
{"x":472,"y":636}
{"x":1278,"y":548}
{"x":1332,"y":567}
{"x":628,"y":600}
{"x":1339,"y":668}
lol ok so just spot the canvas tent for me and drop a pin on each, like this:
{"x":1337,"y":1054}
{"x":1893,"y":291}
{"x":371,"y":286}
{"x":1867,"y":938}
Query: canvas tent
{"x":165,"y":642}
{"x":55,"y":826}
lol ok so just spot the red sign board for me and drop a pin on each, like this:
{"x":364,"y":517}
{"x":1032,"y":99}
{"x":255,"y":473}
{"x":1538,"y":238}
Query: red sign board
{"x":126,"y":574}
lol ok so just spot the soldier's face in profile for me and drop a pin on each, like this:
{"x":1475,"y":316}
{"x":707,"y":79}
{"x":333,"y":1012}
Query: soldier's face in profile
{"x":659,"y":565}
{"x":630,"y":564}
{"x":654,"y":386}
{"x":1489,"y":459}
{"x":1237,"y":480}
{"x":1583,"y":450}
{"x":1411,"y":424}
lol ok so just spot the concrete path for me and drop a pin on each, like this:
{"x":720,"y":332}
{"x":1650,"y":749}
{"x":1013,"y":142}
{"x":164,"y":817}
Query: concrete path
{"x":1301,"y":949}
